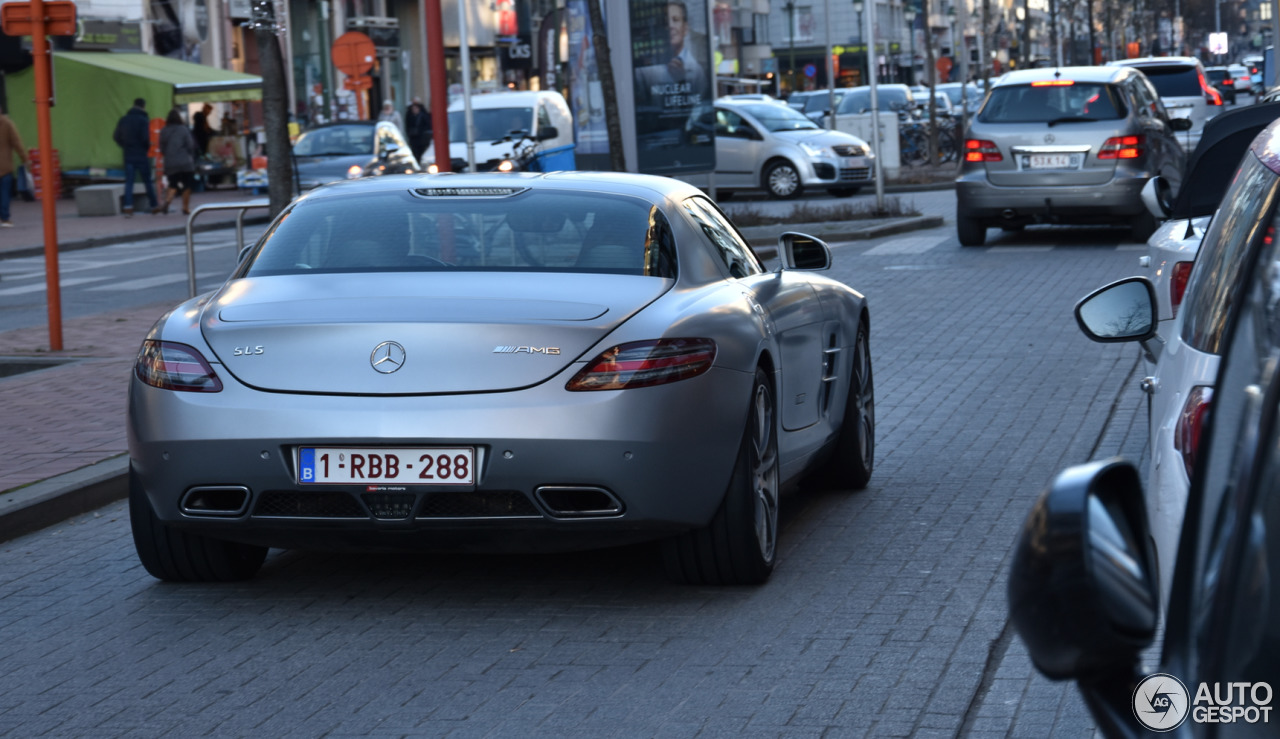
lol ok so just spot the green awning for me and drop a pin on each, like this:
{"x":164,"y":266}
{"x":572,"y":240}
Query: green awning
{"x":192,"y":83}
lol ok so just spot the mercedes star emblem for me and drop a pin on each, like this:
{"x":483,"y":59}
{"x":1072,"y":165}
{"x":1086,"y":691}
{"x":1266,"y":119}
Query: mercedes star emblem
{"x":1048,"y":138}
{"x":387,"y":357}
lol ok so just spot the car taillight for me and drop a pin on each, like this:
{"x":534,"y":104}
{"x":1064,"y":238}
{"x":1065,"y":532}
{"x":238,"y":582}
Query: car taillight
{"x":172,"y":366}
{"x":645,"y":363}
{"x":1123,"y":147}
{"x":1211,"y":96}
{"x":980,"y":150}
{"x":1178,"y":283}
{"x":1191,"y":423}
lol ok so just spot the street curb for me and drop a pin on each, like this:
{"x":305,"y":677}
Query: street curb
{"x":159,"y":233}
{"x":56,"y":499}
{"x":763,"y":236}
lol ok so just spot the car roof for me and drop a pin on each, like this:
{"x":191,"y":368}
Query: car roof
{"x":1212,"y":166}
{"x":650,"y":187}
{"x":1079,"y":74}
{"x":511,"y":99}
{"x":1156,"y":61}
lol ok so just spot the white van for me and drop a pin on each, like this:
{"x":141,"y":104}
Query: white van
{"x":543,"y":115}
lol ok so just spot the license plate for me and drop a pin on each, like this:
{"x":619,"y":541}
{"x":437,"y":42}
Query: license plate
{"x":1051,"y":161}
{"x":403,"y":465}
{"x":855,"y":162}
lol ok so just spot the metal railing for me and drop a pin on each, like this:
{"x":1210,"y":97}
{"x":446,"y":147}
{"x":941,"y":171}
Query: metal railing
{"x":191,"y":244}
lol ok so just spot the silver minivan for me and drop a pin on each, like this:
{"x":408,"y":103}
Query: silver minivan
{"x":1184,"y":89}
{"x":1065,"y":145}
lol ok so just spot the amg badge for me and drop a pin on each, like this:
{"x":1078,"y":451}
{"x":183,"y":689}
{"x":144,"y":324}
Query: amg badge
{"x":526,"y":350}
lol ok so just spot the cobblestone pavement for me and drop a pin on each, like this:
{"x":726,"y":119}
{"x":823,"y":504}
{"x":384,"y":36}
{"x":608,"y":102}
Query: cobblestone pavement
{"x":885,"y":617}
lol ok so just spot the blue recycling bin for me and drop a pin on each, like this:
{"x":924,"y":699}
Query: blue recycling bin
{"x":559,"y":159}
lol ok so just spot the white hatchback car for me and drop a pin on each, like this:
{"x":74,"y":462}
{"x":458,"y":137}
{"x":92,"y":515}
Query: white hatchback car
{"x":1183,"y":353}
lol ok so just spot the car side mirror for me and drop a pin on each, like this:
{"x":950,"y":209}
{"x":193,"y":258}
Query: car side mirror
{"x":801,"y":251}
{"x":1122,"y":311}
{"x":1158,"y":197}
{"x":548,"y":132}
{"x":1081,"y":590}
{"x":388,"y":151}
{"x":1180,"y":124}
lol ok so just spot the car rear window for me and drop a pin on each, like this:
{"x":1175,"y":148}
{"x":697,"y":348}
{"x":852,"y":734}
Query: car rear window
{"x":1174,"y":81}
{"x":1217,"y":75}
{"x":494,"y":229}
{"x":1056,"y":100}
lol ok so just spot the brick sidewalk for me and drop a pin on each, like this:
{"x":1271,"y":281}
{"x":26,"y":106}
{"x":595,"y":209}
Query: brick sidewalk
{"x":70,"y":416}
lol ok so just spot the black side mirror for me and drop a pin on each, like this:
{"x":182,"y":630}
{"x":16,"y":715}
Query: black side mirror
{"x":1122,"y":311}
{"x":548,"y":132}
{"x":1081,"y":591}
{"x":388,"y":151}
{"x":801,"y":251}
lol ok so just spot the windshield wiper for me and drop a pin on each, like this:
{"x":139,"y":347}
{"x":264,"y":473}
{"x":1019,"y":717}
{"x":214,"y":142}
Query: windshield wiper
{"x":1071,"y":119}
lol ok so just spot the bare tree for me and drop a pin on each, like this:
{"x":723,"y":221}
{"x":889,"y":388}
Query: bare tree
{"x":604,"y":67}
{"x":275,"y":106}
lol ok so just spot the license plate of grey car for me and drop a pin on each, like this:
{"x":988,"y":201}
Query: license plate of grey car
{"x":1051,"y":161}
{"x":402,"y":465}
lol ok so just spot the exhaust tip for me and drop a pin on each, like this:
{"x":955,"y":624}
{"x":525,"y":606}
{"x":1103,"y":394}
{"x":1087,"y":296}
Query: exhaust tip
{"x":578,"y":501}
{"x":215,"y":500}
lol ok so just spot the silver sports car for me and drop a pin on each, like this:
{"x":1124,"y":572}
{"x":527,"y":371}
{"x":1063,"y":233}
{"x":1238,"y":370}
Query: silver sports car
{"x":498,"y":362}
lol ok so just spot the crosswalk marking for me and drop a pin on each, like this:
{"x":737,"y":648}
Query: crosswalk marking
{"x":39,"y":286}
{"x":149,"y":282}
{"x":908,"y":245}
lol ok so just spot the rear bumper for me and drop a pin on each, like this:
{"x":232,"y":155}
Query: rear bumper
{"x":1116,"y":200}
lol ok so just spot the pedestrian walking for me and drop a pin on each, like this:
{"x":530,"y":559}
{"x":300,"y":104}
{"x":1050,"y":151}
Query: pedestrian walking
{"x":179,"y":149}
{"x":389,"y":113}
{"x":201,"y":128}
{"x":417,"y":126}
{"x":133,"y":135}
{"x":10,"y":144}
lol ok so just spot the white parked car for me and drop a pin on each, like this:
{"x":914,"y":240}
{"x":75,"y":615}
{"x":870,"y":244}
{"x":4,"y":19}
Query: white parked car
{"x":1183,"y":88}
{"x":766,"y":146}
{"x":1192,"y":304}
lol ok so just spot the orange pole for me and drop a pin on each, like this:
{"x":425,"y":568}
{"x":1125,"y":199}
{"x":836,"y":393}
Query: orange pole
{"x":41,"y":58}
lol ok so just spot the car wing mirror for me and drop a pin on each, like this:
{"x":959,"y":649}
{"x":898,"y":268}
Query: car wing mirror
{"x":548,"y":132}
{"x":802,"y":251}
{"x":1122,"y":311}
{"x":388,"y":151}
{"x":1081,"y":590}
{"x":1158,"y":197}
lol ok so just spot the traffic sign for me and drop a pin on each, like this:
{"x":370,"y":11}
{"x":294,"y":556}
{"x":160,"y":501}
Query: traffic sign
{"x":59,"y":18}
{"x":353,"y":53}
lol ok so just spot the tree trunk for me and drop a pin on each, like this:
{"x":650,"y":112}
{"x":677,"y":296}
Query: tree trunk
{"x":931,"y":74}
{"x":275,"y":110}
{"x":604,"y":68}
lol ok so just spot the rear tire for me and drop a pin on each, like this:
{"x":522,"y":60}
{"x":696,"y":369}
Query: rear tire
{"x":853,"y":458}
{"x":740,"y":544}
{"x":970,"y":231}
{"x":1144,"y":224}
{"x":174,"y":555}
{"x":723,"y":194}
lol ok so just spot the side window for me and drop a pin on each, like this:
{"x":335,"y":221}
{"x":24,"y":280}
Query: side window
{"x":544,"y":118}
{"x":732,"y":250}
{"x":731,"y":124}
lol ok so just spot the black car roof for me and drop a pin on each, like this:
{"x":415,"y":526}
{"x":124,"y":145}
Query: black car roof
{"x":1214,"y":162}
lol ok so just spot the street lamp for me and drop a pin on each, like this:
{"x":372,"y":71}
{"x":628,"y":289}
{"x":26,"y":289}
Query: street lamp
{"x":857,"y":8}
{"x":790,"y":7}
{"x":909,"y":13}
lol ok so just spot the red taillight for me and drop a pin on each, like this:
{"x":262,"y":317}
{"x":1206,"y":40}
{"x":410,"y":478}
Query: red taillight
{"x":1123,"y":147}
{"x":1211,"y":95}
{"x":645,"y":363}
{"x":979,"y":150}
{"x":1186,"y":436}
{"x":1178,"y":283}
{"x":171,"y":366}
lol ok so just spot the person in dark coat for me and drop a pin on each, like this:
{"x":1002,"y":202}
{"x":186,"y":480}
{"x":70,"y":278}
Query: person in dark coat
{"x":417,"y":126}
{"x":134,"y":137}
{"x":202,"y":129}
{"x":179,"y":150}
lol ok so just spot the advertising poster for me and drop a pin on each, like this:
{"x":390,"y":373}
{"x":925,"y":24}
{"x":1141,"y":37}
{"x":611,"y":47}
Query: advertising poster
{"x":590,"y":133}
{"x":674,"y":86}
